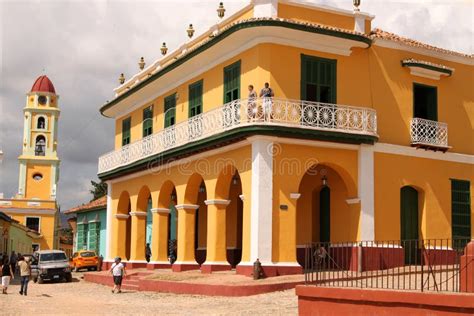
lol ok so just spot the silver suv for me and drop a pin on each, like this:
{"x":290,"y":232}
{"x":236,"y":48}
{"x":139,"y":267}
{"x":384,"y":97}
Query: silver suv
{"x":52,"y":265}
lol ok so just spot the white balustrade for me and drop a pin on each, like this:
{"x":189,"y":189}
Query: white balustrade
{"x":240,"y":113}
{"x":428,"y":133}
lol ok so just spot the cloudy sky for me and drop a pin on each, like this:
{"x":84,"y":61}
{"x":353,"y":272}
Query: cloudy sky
{"x":84,"y":45}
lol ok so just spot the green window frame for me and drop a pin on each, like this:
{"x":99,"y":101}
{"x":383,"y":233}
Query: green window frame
{"x":460,"y":212}
{"x":425,"y":101}
{"x":82,"y":236}
{"x":126,"y":125}
{"x":318,"y":79}
{"x":170,"y":110}
{"x":232,"y":82}
{"x":195,"y":98}
{"x":94,"y":236}
{"x":147,"y":123}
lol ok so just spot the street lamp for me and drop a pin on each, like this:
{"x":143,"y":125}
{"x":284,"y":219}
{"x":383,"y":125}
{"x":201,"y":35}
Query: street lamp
{"x":325,"y":181}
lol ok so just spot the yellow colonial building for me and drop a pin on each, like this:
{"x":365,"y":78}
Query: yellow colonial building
{"x":35,"y":203}
{"x":350,"y":143}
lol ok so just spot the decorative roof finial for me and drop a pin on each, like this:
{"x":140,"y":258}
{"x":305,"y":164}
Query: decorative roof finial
{"x":141,"y":63}
{"x":190,"y":31}
{"x":122,"y":78}
{"x":356,"y":5}
{"x":220,"y":10}
{"x":164,"y":49}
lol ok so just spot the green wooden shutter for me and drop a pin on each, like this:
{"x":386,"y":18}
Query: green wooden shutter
{"x":94,"y":236}
{"x":325,"y":215}
{"x":147,"y":121}
{"x":126,"y":124}
{"x":170,"y":110}
{"x":195,"y":98}
{"x":408,"y":213}
{"x":460,"y":212}
{"x":80,"y":236}
{"x":318,"y":79}
{"x":232,"y":82}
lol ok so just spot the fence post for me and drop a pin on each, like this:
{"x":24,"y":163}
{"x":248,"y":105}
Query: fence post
{"x":466,"y":269}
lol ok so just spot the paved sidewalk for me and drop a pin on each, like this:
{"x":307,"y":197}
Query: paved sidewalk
{"x":84,"y":298}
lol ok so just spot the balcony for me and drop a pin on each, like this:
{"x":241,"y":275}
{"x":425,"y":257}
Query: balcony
{"x":429,"y":134}
{"x":271,"y":112}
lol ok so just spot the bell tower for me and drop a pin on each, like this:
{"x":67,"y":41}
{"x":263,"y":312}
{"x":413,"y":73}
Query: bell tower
{"x":39,"y":163}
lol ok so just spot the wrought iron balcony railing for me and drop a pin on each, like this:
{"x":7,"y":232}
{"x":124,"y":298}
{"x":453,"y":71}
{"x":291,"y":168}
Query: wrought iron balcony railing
{"x":247,"y":112}
{"x":429,"y":134}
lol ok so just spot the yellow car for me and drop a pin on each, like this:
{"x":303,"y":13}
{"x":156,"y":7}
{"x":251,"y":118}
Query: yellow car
{"x":85,"y":259}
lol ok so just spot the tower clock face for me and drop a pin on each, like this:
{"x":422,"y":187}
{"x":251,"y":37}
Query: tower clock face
{"x":42,"y":100}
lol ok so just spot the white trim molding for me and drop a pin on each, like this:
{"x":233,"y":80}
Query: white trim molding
{"x":413,"y":152}
{"x":295,"y":196}
{"x":217,"y":202}
{"x":186,"y":206}
{"x":242,"y":197}
{"x":353,"y":201}
{"x":161,"y":210}
{"x":121,"y":216}
{"x":108,"y":238}
{"x":138,"y":214}
{"x":216,"y":263}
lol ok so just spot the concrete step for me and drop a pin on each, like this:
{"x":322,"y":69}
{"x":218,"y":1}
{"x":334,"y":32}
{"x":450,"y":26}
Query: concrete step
{"x":131,"y":282}
{"x":130,"y":287}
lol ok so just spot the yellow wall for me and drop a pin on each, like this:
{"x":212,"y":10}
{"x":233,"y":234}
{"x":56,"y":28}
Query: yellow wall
{"x":47,"y":227}
{"x":38,"y":189}
{"x":431,"y":178}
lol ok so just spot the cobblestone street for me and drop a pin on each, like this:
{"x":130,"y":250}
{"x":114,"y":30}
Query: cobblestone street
{"x":83,"y":298}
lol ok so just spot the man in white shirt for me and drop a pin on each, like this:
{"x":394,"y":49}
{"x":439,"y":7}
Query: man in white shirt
{"x":118,"y":272}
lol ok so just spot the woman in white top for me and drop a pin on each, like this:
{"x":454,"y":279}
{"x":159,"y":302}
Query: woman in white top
{"x":118,"y":272}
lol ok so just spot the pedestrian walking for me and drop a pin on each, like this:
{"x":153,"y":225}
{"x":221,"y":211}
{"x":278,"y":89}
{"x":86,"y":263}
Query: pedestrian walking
{"x":267,"y":94}
{"x":118,"y":272}
{"x":13,"y":261}
{"x":25,"y":274}
{"x":147,"y":252}
{"x":7,"y":275}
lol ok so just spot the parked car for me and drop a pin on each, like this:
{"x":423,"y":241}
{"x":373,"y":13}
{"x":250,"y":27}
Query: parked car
{"x":85,"y":259}
{"x":52,"y":265}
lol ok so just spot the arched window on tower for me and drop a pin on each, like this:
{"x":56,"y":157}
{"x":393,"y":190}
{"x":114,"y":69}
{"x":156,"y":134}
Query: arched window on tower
{"x":41,"y":123}
{"x":40,"y":146}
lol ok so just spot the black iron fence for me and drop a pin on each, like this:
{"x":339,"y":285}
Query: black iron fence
{"x":421,"y":265}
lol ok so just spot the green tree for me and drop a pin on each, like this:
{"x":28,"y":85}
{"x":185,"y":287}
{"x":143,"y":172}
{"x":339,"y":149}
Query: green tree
{"x":99,"y":189}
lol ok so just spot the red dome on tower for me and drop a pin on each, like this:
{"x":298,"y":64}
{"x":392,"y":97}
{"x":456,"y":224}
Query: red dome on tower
{"x":43,"y":84}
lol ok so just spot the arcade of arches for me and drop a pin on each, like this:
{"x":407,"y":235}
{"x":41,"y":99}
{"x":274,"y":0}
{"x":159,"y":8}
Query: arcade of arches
{"x":255,"y":201}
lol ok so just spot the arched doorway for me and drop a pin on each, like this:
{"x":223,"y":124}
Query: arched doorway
{"x":143,"y":225}
{"x":322,"y":213}
{"x":409,"y":226}
{"x":173,"y":228}
{"x":234,"y":221}
{"x":124,"y":228}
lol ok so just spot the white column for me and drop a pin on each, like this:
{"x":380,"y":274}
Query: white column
{"x":366,"y":192}
{"x":261,"y":201}
{"x":109,"y":222}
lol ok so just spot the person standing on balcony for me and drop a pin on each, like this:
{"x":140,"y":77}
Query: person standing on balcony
{"x":252,"y":104}
{"x":267,"y":94}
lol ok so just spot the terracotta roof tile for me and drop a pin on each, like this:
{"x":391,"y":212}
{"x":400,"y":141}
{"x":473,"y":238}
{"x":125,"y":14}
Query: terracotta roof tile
{"x":99,"y":203}
{"x":378,"y":33}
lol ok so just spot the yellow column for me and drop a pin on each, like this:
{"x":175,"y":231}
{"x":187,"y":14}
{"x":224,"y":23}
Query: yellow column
{"x":288,"y":231}
{"x":186,"y":235}
{"x":216,"y":256}
{"x":137,"y":250}
{"x":119,"y":239}
{"x":159,"y":237}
